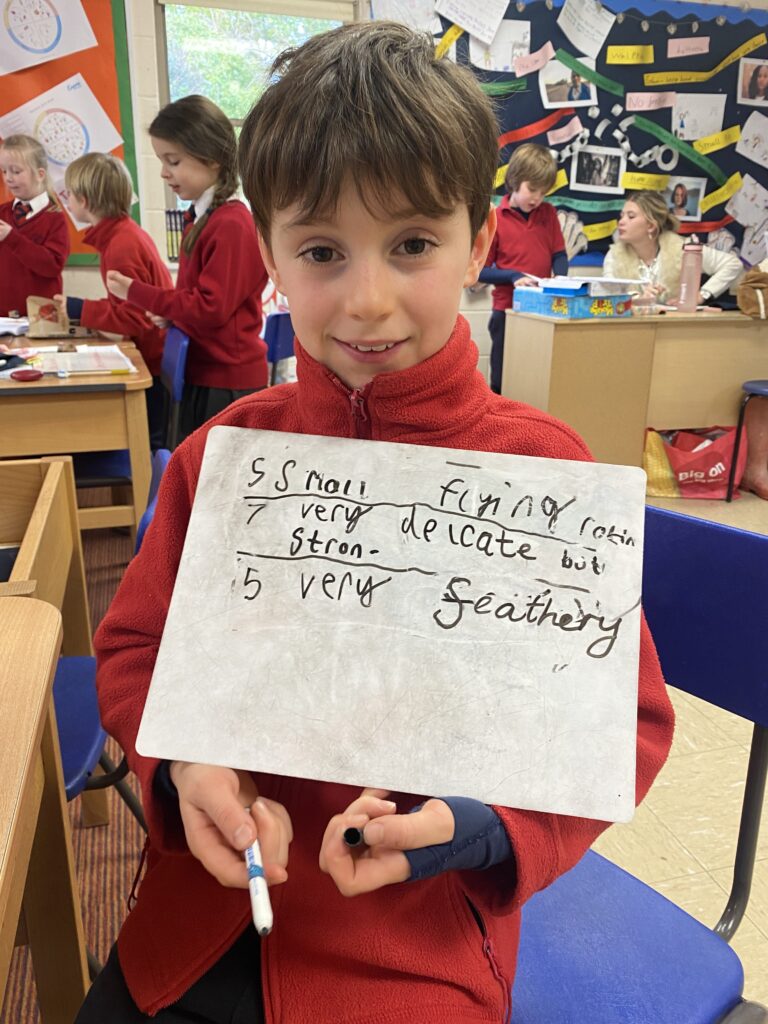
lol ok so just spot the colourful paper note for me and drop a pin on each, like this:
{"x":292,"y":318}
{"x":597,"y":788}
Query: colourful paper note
{"x":534,"y":61}
{"x":711,"y":143}
{"x":602,"y":230}
{"x":560,"y":182}
{"x":687,"y":47}
{"x":649,"y":100}
{"x":566,"y":133}
{"x":450,"y":37}
{"x":642,"y":182}
{"x":732,"y":185}
{"x":629,"y":55}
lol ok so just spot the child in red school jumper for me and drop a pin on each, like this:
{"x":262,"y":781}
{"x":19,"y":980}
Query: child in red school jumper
{"x":372,"y":252}
{"x":101,"y":194}
{"x":34,"y":240}
{"x":528,"y":240}
{"x":217,"y":299}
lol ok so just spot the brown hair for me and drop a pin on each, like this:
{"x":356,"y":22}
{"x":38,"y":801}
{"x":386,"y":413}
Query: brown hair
{"x":533,"y":164}
{"x":654,"y":209}
{"x":103,"y":181}
{"x":202,"y":129}
{"x":33,"y":155}
{"x":369,"y":103}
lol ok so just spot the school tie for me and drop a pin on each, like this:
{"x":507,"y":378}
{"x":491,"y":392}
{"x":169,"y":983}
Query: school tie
{"x":189,"y":219}
{"x":20,"y":211}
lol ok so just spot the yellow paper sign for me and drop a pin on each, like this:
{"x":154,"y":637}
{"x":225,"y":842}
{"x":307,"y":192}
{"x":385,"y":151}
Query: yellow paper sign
{"x":643,"y":182}
{"x":602,"y":230}
{"x":629,"y":55}
{"x":725,"y":191}
{"x":718,"y":141}
{"x":676,"y":77}
{"x":560,"y":181}
{"x":447,"y":41}
{"x":501,"y":174}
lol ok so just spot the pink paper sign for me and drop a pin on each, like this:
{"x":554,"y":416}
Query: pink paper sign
{"x":566,"y":133}
{"x":534,"y":61}
{"x":687,"y":47}
{"x":649,"y":100}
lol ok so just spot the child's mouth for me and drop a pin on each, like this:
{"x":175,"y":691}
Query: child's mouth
{"x":369,"y":350}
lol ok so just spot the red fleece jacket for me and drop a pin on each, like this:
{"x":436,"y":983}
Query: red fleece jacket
{"x":409,"y":952}
{"x":217,"y":302}
{"x":122,"y":245}
{"x":32,"y":257}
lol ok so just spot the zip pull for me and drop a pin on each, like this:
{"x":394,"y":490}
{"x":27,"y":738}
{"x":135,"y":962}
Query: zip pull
{"x":134,"y":887}
{"x":357,"y":402}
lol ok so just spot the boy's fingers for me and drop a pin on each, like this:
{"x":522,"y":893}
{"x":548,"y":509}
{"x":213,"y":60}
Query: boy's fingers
{"x":430,"y":826}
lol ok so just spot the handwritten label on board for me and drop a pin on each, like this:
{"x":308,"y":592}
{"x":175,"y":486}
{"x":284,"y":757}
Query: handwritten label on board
{"x":422,"y":619}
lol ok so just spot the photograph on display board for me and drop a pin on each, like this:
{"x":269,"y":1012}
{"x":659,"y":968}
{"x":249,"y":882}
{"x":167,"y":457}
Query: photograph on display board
{"x":683,"y":197}
{"x":752,"y":89}
{"x":598,"y":169}
{"x":561,"y":87}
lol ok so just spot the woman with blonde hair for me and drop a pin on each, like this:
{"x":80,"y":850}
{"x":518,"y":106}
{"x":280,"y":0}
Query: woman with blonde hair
{"x":649,"y":250}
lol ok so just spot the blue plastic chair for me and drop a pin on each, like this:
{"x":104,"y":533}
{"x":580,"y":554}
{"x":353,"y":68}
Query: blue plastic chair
{"x":278,"y":334}
{"x":172,"y":369}
{"x":599,"y":946}
{"x":752,"y":389}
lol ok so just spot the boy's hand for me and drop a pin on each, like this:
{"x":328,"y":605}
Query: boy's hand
{"x":60,"y":302}
{"x":380,"y":861}
{"x":526,"y":282}
{"x":158,"y":321}
{"x":118,"y":283}
{"x":5,"y":230}
{"x":222,"y":813}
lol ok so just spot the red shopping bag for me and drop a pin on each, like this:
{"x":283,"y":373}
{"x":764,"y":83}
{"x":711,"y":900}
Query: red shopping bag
{"x":691,"y":463}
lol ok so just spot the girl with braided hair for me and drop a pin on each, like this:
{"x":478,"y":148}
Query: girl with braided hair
{"x":217,"y":298}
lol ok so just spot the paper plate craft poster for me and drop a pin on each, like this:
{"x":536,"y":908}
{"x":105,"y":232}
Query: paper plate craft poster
{"x":36,"y":31}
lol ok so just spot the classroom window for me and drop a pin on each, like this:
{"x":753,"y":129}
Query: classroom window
{"x":226,"y":54}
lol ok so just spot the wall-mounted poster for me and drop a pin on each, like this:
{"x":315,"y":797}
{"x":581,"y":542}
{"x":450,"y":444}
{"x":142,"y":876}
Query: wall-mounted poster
{"x":752,"y":83}
{"x":696,"y":115}
{"x":598,"y":169}
{"x":561,"y":87}
{"x":683,"y":197}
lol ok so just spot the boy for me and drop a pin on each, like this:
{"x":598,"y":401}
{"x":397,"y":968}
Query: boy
{"x":528,"y":240}
{"x":101,"y":194}
{"x":372,"y":251}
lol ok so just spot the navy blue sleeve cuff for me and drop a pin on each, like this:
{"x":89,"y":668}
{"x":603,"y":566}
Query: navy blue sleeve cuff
{"x":560,"y":264}
{"x":496,"y":275}
{"x":74,"y":307}
{"x":479,"y":841}
{"x":163,"y":783}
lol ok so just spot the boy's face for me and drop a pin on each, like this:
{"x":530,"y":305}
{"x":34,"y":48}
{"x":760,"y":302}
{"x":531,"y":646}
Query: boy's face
{"x":527,"y":197}
{"x":369,"y":295}
{"x":21,"y":180}
{"x":78,"y":206}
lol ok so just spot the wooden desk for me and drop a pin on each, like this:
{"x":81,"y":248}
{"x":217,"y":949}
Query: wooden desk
{"x":37,"y":877}
{"x":83,"y":413}
{"x":609,"y":379}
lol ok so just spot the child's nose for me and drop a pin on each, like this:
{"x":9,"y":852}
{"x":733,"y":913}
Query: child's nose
{"x":369,"y":294}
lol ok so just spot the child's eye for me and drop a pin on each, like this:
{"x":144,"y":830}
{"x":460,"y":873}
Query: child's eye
{"x":415,"y":246}
{"x":318,"y":254}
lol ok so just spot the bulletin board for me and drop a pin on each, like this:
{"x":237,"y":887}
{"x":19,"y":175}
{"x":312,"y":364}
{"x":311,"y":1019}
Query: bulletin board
{"x":666,"y":96}
{"x":74,"y":103}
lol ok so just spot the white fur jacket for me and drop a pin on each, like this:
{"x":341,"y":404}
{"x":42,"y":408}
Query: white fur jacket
{"x":722,"y":268}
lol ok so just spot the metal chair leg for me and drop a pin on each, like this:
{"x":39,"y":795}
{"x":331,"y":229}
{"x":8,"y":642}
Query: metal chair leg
{"x":737,"y":446}
{"x":117,"y":779}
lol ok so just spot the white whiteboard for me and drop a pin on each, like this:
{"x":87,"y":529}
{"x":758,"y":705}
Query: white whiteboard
{"x":420,"y":619}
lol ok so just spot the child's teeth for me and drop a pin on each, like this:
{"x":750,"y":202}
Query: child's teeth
{"x":373,"y":348}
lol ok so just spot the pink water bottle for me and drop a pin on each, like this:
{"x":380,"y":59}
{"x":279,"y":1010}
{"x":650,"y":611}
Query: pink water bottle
{"x":690,"y":276}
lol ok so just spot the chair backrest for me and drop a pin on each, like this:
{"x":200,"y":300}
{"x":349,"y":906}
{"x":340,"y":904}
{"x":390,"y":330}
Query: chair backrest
{"x":278,"y":335}
{"x":174,"y":362}
{"x":160,"y":460}
{"x":705,"y":590}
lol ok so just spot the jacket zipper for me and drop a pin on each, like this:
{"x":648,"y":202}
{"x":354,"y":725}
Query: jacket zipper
{"x":360,"y":417}
{"x":490,"y":955}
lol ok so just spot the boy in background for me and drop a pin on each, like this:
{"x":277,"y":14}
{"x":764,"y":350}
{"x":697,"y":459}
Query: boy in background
{"x":101,"y":194}
{"x":528,"y":243}
{"x":372,"y":251}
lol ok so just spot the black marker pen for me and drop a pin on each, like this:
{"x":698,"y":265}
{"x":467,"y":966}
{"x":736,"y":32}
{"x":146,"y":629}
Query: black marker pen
{"x":354,"y":837}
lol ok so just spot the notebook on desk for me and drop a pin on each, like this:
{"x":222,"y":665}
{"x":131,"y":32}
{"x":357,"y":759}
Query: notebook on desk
{"x":86,"y":359}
